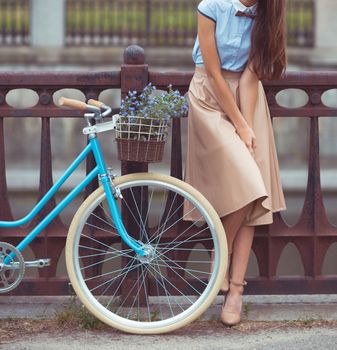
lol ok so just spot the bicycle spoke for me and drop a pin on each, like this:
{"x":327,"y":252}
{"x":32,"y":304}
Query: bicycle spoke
{"x":189,"y":240}
{"x":101,"y":219}
{"x":131,"y":212}
{"x":135,"y":284}
{"x":179,"y":267}
{"x":101,"y":229}
{"x":142,"y":226}
{"x":185,"y":269}
{"x":120,"y":283}
{"x":108,"y":215}
{"x":106,"y":274}
{"x":166,"y":291}
{"x":180,"y":243}
{"x":161,"y":234}
{"x":137,"y":295}
{"x":178,"y":237}
{"x":175,"y":195}
{"x":161,"y":215}
{"x":189,"y":249}
{"x":189,"y":284}
{"x":194,"y":261}
{"x":100,"y":262}
{"x":105,"y":245}
{"x":167,"y":219}
{"x":111,"y":280}
{"x":161,"y":312}
{"x":177,"y":289}
{"x":91,"y":248}
{"x":147,"y":300}
{"x":104,"y":253}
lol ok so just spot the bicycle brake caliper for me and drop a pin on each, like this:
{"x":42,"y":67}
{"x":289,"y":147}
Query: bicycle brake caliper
{"x":115,"y":190}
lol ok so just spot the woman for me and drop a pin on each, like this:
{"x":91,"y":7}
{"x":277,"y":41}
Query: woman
{"x":231,"y":154}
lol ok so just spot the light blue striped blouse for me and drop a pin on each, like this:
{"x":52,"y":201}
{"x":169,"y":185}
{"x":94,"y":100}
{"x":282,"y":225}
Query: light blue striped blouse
{"x":232,"y":32}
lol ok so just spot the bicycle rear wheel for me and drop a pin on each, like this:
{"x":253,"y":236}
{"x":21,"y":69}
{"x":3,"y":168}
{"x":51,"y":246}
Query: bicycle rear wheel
{"x":164,"y":291}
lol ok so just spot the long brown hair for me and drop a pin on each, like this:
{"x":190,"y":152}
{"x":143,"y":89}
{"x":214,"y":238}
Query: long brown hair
{"x":268,"y":40}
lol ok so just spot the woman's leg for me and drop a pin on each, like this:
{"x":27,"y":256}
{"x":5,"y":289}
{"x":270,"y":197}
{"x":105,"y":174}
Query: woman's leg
{"x":231,"y":224}
{"x":241,"y":249}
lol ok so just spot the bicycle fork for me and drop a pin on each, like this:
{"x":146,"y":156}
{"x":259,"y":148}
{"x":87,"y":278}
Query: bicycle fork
{"x":112,"y":193}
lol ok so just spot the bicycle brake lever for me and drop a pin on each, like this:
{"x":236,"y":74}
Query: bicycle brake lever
{"x":114,"y":120}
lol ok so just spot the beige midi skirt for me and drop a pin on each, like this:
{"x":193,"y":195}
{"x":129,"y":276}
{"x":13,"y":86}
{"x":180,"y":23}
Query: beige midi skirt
{"x":219,"y":164}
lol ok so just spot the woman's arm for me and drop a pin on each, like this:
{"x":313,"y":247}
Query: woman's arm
{"x":248,"y":92}
{"x":223,"y":95}
{"x":248,"y":89}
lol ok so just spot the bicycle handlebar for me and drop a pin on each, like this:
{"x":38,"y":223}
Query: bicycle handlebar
{"x":82,"y":106}
{"x":97,"y":109}
{"x":96,"y":103}
{"x":69,"y":102}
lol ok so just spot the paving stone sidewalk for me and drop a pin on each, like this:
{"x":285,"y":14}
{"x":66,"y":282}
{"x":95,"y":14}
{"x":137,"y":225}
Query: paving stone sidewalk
{"x":206,"y":333}
{"x":255,"y":307}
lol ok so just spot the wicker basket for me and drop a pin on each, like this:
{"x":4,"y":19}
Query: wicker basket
{"x":141,"y":139}
{"x":140,"y":151}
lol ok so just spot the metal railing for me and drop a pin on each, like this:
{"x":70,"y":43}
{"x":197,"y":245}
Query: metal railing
{"x":312,"y":235}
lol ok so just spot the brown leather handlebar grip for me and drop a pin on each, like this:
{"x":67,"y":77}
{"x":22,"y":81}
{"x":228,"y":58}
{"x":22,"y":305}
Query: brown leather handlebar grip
{"x":68,"y":102}
{"x":95,"y":103}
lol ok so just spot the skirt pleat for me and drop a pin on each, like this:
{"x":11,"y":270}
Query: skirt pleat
{"x":219,"y":164}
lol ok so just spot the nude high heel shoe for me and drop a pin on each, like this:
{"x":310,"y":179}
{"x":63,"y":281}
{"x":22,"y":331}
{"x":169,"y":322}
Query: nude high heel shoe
{"x":225,"y":285}
{"x":230,"y":318}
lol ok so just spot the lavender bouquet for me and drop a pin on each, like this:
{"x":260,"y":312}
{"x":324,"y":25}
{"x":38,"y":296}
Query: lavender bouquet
{"x":146,"y":117}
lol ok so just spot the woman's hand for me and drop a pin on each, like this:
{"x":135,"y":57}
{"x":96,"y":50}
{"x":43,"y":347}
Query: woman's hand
{"x":247,"y":135}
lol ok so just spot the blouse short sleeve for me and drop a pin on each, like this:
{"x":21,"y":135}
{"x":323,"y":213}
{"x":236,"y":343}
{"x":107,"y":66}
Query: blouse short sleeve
{"x":207,"y":8}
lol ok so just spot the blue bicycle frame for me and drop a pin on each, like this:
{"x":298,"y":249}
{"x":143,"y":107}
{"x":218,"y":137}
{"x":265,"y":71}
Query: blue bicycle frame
{"x":100,"y":169}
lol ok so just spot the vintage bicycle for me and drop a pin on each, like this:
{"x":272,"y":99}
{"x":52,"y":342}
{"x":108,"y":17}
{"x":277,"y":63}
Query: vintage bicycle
{"x":151,"y":278}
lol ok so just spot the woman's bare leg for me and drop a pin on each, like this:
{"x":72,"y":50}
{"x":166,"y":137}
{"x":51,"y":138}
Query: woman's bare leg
{"x":241,"y":249}
{"x":231,"y":224}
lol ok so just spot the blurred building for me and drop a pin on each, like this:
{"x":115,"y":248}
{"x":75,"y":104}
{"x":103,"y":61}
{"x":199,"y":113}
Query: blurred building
{"x":70,"y":29}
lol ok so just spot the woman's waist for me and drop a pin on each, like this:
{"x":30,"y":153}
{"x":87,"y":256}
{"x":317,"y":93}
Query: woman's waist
{"x":225,"y":73}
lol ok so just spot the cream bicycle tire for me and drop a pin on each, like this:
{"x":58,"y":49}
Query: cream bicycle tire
{"x":154,"y":327}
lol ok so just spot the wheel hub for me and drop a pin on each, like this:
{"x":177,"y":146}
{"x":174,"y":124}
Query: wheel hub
{"x":150,"y":254}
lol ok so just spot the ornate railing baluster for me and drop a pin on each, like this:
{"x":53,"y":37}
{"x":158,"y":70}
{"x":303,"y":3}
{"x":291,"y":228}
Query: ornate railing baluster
{"x":5,"y":211}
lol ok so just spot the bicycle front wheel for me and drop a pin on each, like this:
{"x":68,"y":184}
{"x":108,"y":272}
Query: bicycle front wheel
{"x":170,"y":287}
